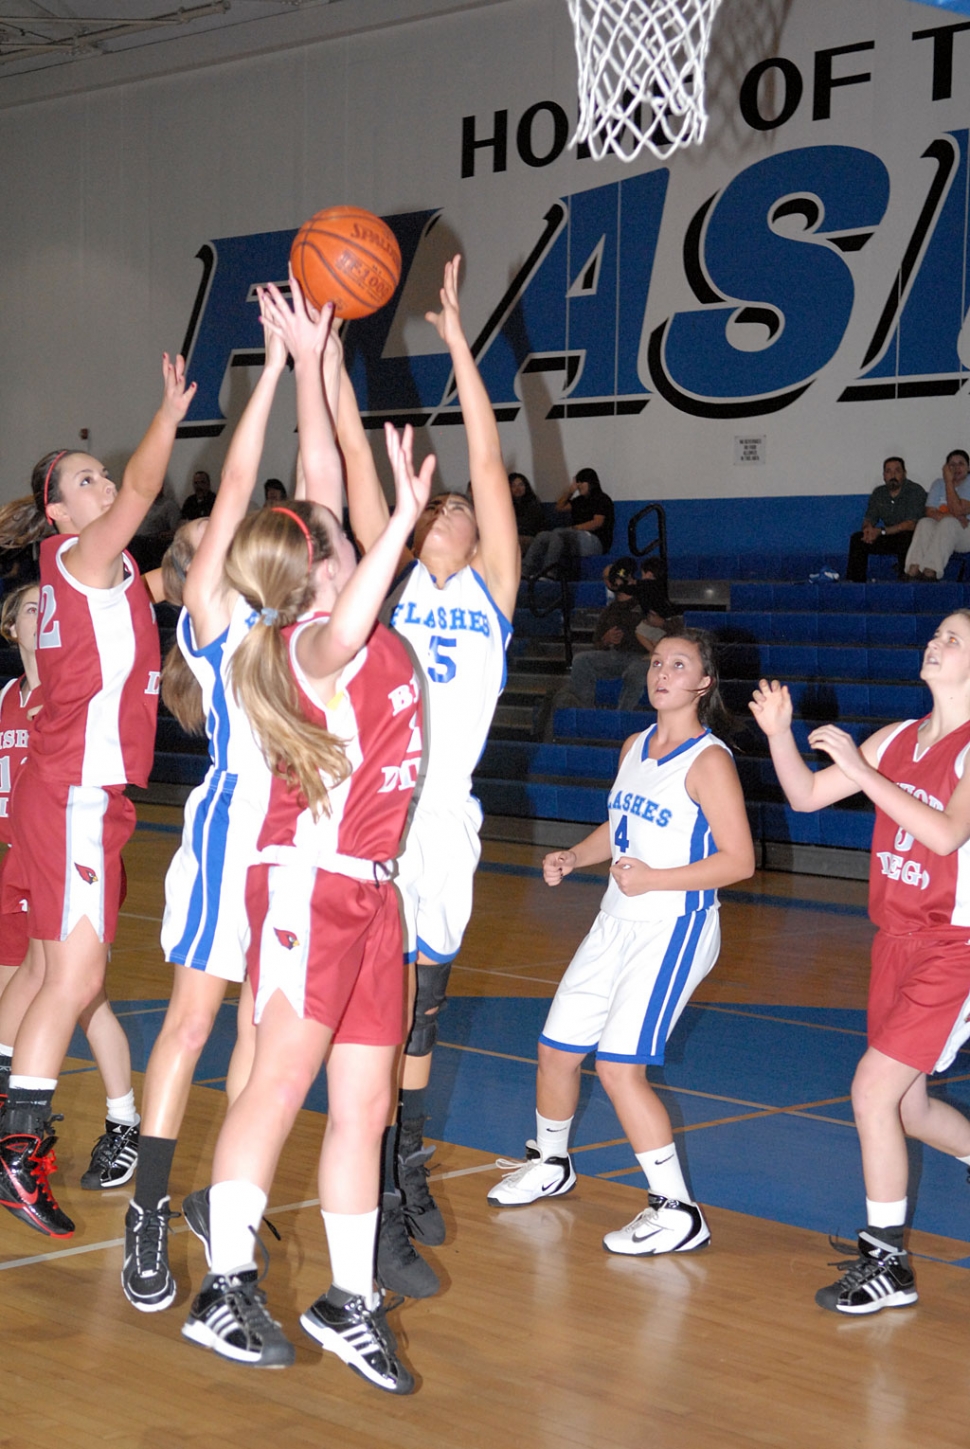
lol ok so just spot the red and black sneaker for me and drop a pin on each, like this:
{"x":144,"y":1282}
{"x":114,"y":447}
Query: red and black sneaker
{"x":26,"y":1162}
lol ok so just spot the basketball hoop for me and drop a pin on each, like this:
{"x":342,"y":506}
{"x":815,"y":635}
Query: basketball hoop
{"x":641,"y":74}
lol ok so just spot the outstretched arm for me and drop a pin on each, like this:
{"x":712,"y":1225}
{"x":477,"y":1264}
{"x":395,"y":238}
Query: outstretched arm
{"x":942,"y":831}
{"x":204,"y":593}
{"x":310,"y":342}
{"x":95,"y":559}
{"x":323,"y":650}
{"x":499,"y":555}
{"x":805,"y":789}
{"x":365,"y":496}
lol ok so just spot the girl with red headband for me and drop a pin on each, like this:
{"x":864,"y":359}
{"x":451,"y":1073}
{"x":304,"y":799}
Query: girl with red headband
{"x":97,"y":651}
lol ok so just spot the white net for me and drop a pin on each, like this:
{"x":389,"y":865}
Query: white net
{"x":641,"y":74}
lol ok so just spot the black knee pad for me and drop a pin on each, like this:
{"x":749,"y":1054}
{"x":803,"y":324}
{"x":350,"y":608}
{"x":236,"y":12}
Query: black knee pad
{"x":429,"y":1002}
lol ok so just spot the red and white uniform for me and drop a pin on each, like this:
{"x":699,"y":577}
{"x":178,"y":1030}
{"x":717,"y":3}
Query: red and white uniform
{"x":919,"y":992}
{"x":99,"y":665}
{"x":324,"y":917}
{"x":16,"y":713}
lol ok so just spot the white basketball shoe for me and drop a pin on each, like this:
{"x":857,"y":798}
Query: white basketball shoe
{"x":536,"y":1178}
{"x":664,"y":1226}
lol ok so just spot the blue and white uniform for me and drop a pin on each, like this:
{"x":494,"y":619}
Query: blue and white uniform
{"x":632,"y":976}
{"x":205,"y":924}
{"x":457,"y":637}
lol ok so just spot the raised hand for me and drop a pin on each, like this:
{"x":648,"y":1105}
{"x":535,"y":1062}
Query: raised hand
{"x":556,"y":865}
{"x":177,"y":396}
{"x":276,"y":348}
{"x":302,"y":328}
{"x":772,"y":707}
{"x":412,"y":490}
{"x":843,"y":750}
{"x":448,"y":320}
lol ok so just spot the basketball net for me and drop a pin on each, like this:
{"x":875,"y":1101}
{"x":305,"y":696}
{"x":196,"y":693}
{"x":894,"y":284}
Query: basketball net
{"x":641,"y":74}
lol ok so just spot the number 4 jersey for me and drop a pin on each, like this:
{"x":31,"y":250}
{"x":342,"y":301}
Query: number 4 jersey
{"x":457,"y":636}
{"x":654,"y":819}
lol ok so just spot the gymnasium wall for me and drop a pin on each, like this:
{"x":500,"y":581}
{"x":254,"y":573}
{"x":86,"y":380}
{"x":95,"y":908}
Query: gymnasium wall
{"x":765,"y":317}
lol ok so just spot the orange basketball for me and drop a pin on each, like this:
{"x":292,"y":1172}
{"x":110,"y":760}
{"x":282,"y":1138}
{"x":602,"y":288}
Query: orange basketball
{"x":347,"y":256}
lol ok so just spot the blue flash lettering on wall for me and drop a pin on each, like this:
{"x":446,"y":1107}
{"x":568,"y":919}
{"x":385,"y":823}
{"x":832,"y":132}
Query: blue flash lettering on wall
{"x":915,"y":340}
{"x":798,"y":289}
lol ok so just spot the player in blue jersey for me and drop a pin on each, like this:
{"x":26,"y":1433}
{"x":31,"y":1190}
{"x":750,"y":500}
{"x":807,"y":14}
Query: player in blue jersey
{"x":453,"y":606}
{"x":677,"y":830}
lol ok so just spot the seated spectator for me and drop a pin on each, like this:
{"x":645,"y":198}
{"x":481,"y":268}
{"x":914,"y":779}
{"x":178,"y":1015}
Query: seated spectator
{"x":894,"y":510}
{"x":530,"y":515}
{"x":588,"y":532}
{"x":199,"y":502}
{"x":623,"y":641}
{"x":943,"y":530}
{"x":273,"y":492}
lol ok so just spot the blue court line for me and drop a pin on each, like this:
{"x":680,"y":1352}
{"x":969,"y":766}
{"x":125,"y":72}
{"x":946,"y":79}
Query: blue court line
{"x":741,"y":898}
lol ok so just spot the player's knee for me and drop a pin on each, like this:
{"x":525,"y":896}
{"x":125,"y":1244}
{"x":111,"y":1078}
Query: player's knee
{"x":429,"y":1000}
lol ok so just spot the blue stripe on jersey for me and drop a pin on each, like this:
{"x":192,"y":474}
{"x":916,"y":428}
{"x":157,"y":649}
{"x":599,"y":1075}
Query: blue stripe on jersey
{"x":503,"y":623}
{"x":669,"y":985}
{"x":210,"y":831}
{"x":217,"y":719}
{"x":701,"y":846}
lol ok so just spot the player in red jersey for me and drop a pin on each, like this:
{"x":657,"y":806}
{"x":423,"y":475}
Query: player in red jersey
{"x":919,"y":897}
{"x":115,"y":1152}
{"x":334,"y":700}
{"x":98,"y":658}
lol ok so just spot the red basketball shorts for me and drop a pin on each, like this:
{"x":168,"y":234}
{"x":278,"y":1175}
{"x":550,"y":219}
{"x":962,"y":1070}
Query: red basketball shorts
{"x":332,"y":945}
{"x":919,"y":998}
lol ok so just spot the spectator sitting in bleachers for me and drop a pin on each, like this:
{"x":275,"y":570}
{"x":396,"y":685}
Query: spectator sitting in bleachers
{"x":588,"y":532}
{"x":893,"y":511}
{"x":623,"y":638}
{"x":943,"y":531}
{"x":530,"y":518}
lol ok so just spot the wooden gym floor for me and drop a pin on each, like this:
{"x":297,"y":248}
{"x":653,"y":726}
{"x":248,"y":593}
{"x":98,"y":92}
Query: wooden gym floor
{"x":538,"y":1338}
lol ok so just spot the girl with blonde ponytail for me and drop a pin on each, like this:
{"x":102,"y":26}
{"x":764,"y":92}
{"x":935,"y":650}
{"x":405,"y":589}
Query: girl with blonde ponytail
{"x":325,"y":957}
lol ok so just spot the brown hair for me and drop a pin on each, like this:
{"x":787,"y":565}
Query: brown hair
{"x":712,"y":712}
{"x":11,"y":608}
{"x":25,"y":520}
{"x":181,"y":691}
{"x":269,"y":564}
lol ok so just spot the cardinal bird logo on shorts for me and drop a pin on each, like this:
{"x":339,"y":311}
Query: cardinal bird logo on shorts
{"x":89,"y":876}
{"x":286,"y":938}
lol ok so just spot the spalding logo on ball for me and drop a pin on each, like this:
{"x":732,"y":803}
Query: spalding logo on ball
{"x":347,"y":256}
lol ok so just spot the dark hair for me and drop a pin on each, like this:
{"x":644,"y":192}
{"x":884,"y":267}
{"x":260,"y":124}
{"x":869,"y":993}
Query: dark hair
{"x":11,"y":608}
{"x":622,"y":576}
{"x":201,"y":473}
{"x":959,"y":453}
{"x":590,"y":476}
{"x":712,"y":712}
{"x":895,"y":458}
{"x":25,"y":520}
{"x":529,"y":490}
{"x":274,"y":483}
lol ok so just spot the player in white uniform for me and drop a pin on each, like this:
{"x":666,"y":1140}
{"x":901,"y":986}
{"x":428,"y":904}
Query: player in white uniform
{"x":454,"y":610}
{"x":677,"y":830}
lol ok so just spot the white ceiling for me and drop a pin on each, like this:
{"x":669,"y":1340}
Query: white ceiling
{"x":35,"y":36}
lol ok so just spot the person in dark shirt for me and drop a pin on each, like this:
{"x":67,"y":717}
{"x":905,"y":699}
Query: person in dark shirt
{"x":623,"y":640}
{"x":530,"y":517}
{"x":894,"y":510}
{"x":588,"y":532}
{"x":200,"y":501}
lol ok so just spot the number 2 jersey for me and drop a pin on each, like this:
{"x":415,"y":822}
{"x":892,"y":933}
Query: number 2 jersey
{"x":654,"y":819}
{"x":911,"y":888}
{"x":458,"y":637}
{"x":99,"y":665}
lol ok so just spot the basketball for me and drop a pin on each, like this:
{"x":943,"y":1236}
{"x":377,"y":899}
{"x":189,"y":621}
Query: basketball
{"x":347,"y":256}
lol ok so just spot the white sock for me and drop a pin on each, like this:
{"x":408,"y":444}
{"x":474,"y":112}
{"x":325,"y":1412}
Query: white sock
{"x":886,"y":1214}
{"x":235,"y":1210}
{"x":122,"y":1109}
{"x":33,"y":1084}
{"x":5,"y":1051}
{"x":552,"y":1138}
{"x":350,"y":1241}
{"x":964,"y":1160}
{"x":661,"y":1167}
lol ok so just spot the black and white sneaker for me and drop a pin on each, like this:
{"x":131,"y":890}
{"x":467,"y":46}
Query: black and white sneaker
{"x":666,"y":1225}
{"x":230,"y":1317}
{"x":398,"y":1266}
{"x":362,"y":1338}
{"x":114,"y":1157}
{"x":195,"y":1210}
{"x":537,"y":1177}
{"x":145,"y":1276}
{"x":880,"y":1277}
